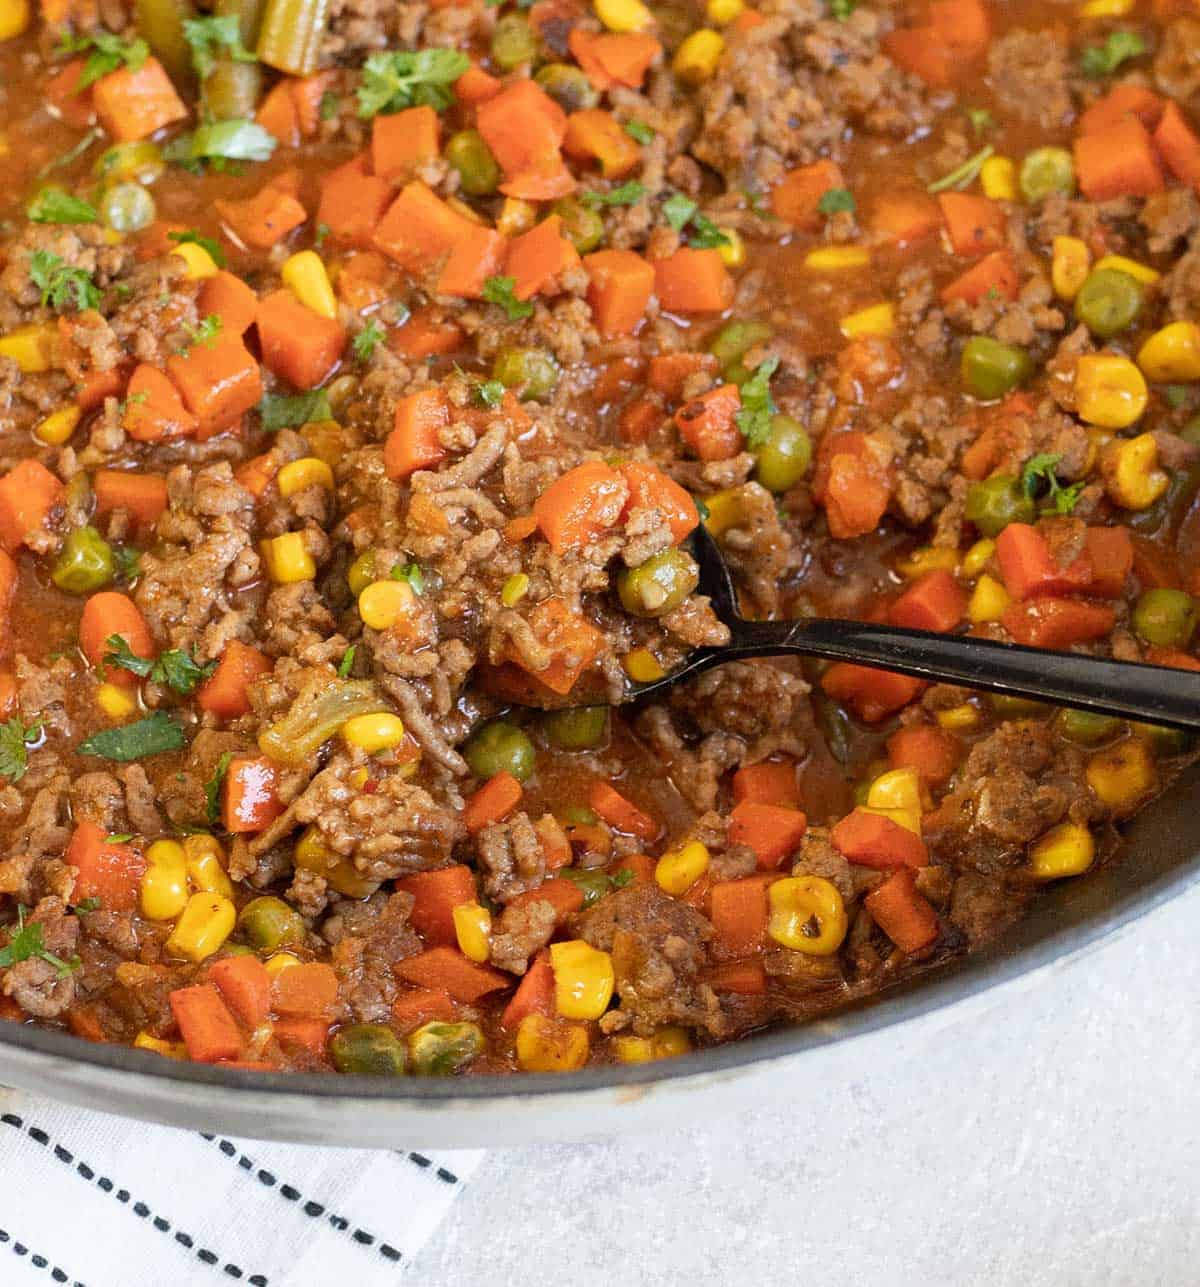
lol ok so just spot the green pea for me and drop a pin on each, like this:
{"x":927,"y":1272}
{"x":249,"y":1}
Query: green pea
{"x":1086,"y":727}
{"x":130,"y":162}
{"x":1165,"y":618}
{"x":784,"y":457}
{"x":1108,"y":302}
{"x":478,"y":173}
{"x":579,"y":728}
{"x":579,"y":815}
{"x":995,"y":502}
{"x":582,"y":227}
{"x":268,"y":923}
{"x":85,"y":562}
{"x":499,"y":747}
{"x":533,"y":371}
{"x":735,"y":339}
{"x":127,"y":207}
{"x":513,"y":42}
{"x":658,"y":586}
{"x":1047,"y":170}
{"x":443,"y":1049}
{"x":1008,"y":707}
{"x":369,"y":1049}
{"x":568,"y":86}
{"x":991,"y":369}
{"x":361,"y":573}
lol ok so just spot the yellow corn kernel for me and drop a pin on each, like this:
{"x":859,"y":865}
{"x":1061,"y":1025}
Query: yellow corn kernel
{"x":1070,"y":263}
{"x":976,"y":558}
{"x":807,"y":915}
{"x":624,"y":15}
{"x":642,"y":666}
{"x":200,"y":264}
{"x":144,"y":1041}
{"x":115,"y":702}
{"x":722,"y":12}
{"x":909,"y":819}
{"x":206,"y":865}
{"x":14,"y":18}
{"x":163,"y":891}
{"x":927,"y":558}
{"x":207,"y":921}
{"x":298,"y":475}
{"x":1139,"y":272}
{"x":724,"y":510}
{"x":30,"y":347}
{"x":896,"y":789}
{"x":676,"y":872}
{"x":1129,"y":467}
{"x":313,"y":854}
{"x":383,"y":603}
{"x":287,"y":559}
{"x":1065,"y":850}
{"x":361,"y":572}
{"x":1106,"y":8}
{"x":514,"y":589}
{"x":876,"y":319}
{"x":359,"y":778}
{"x":1109,"y":390}
{"x":546,"y":1046}
{"x":279,"y":962}
{"x":836,"y":259}
{"x":666,"y":1043}
{"x":1172,"y":355}
{"x":696,"y":59}
{"x":957,"y":718}
{"x":59,"y":425}
{"x":583,"y":979}
{"x":516,"y":217}
{"x":988,"y":601}
{"x":733,"y":250}
{"x":372,"y":733}
{"x":998,"y":178}
{"x":473,"y":929}
{"x":305,"y":276}
{"x":1122,"y":775}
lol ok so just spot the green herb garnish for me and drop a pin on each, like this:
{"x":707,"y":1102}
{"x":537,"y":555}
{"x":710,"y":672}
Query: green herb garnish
{"x":410,"y":572}
{"x":639,"y":131}
{"x":173,"y":668}
{"x":284,"y":411}
{"x":367,"y":341}
{"x":107,"y":54}
{"x":499,"y":290}
{"x":150,"y":736}
{"x":15,"y":740}
{"x":212,"y":788}
{"x":489,"y":393}
{"x":209,"y":245}
{"x":754,"y":418}
{"x":62,"y":287}
{"x":1039,"y":470}
{"x":211,"y":36}
{"x":836,"y":200}
{"x":1103,"y":60}
{"x":347,"y":662}
{"x":52,"y":205}
{"x":396,"y":79}
{"x":962,"y":175}
{"x":628,"y":194}
{"x":27,"y":942}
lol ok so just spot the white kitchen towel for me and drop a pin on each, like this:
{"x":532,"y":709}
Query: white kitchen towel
{"x":89,"y":1200}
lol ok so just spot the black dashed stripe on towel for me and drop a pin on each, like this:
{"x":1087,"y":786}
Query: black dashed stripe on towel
{"x":37,"y":1260}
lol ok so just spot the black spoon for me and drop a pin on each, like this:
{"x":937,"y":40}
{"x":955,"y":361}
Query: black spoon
{"x":1154,"y":694}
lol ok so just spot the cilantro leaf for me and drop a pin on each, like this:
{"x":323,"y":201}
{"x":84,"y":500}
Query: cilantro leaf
{"x":346,"y":665}
{"x":212,"y":788}
{"x":209,"y":36}
{"x":499,"y":290}
{"x":1040,"y":469}
{"x":367,"y":341}
{"x":639,"y":131}
{"x":221,"y":141}
{"x":120,"y":654}
{"x":209,"y":244}
{"x":53,"y":205}
{"x":15,"y":740}
{"x":177,"y":670}
{"x":205,"y":333}
{"x":627,"y":194}
{"x":489,"y":393}
{"x":962,"y":175}
{"x":128,"y":562}
{"x":681,"y":211}
{"x":398,"y":78}
{"x":281,"y":411}
{"x":107,"y":54}
{"x":92,"y":904}
{"x":150,"y":736}
{"x":1103,"y":60}
{"x":678,"y":210}
{"x":62,"y":287}
{"x":707,"y":236}
{"x":836,"y":200}
{"x":754,"y":418}
{"x":27,"y":942}
{"x":410,"y":572}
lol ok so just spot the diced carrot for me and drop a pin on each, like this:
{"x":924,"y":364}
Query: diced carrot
{"x":573,"y":644}
{"x":82,"y":1020}
{"x":1110,"y":552}
{"x":445,"y":969}
{"x":934,"y":601}
{"x":770,"y":830}
{"x":622,"y":814}
{"x":769,"y":782}
{"x":738,"y":910}
{"x":142,"y":496}
{"x":263,"y":219}
{"x":277,"y":115}
{"x":708,"y":424}
{"x":111,"y":613}
{"x":307,"y":92}
{"x":548,"y":180}
{"x":693,"y":281}
{"x":1057,"y":623}
{"x":640,"y":866}
{"x":872,"y":840}
{"x":520,"y":528}
{"x":1172,"y":657}
{"x":1179,"y":145}
{"x":250,"y":796}
{"x":257,"y":473}
{"x":227,"y":296}
{"x":964,"y":25}
{"x":96,"y":386}
{"x":435,"y":896}
{"x":245,"y":986}
{"x":552,"y":836}
{"x":534,"y":994}
{"x":580,"y":505}
{"x":208,"y":1029}
{"x":594,"y":134}
{"x":904,"y":217}
{"x":977,"y":225}
{"x":904,"y":915}
{"x":413,"y":442}
{"x":743,"y":978}
{"x":403,"y":141}
{"x":747,"y":20}
{"x":614,"y":58}
{"x":472,"y":260}
{"x":419,"y":228}
{"x":30,"y":497}
{"x":226,"y":692}
{"x":10,"y":575}
{"x":1119,"y":161}
{"x":621,"y":283}
{"x":475,"y":86}
{"x":109,"y":871}
{"x":411,"y":1010}
{"x":919,"y":50}
{"x":639,"y":419}
{"x":423,"y":335}
{"x":871,"y":694}
{"x":796,"y":197}
{"x":62,"y":92}
{"x":669,"y":372}
{"x":538,"y":258}
{"x":564,"y":895}
{"x":308,"y":1035}
{"x":219,"y":383}
{"x":135,"y":104}
{"x":851,"y":483}
{"x":932,"y":751}
{"x":1121,"y":102}
{"x":298,"y":344}
{"x":994,"y":276}
{"x":493,"y":802}
{"x":1028,"y":569}
{"x":650,"y":488}
{"x":523,"y":126}
{"x":305,"y":991}
{"x":154,"y":409}
{"x":353,"y":201}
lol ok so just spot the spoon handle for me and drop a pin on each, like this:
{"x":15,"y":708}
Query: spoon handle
{"x":1155,"y":694}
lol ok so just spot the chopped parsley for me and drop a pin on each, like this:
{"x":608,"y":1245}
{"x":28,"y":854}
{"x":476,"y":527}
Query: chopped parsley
{"x":107,"y":54}
{"x":754,"y":418}
{"x":981,"y":119}
{"x":53,"y":205}
{"x":836,"y":200}
{"x":62,"y":287}
{"x":128,"y":562}
{"x":174,"y":668}
{"x":15,"y":741}
{"x":489,"y":393}
{"x":1040,"y":469}
{"x":410,"y":572}
{"x":346,"y":665}
{"x":330,"y":105}
{"x":284,"y":411}
{"x":150,"y":736}
{"x":398,"y":78}
{"x":211,"y":36}
{"x":1103,"y":60}
{"x":499,"y":290}
{"x":639,"y":131}
{"x":367,"y":341}
{"x":206,"y":332}
{"x":26,"y":941}
{"x":680,"y":211}
{"x":627,"y":194}
{"x":706,"y":234}
{"x":595,"y":884}
{"x":212,"y":788}
{"x":210,"y":245}
{"x":92,"y":904}
{"x":119,"y":838}
{"x":219,"y":142}
{"x":962,"y":175}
